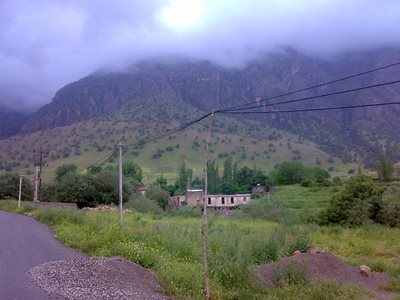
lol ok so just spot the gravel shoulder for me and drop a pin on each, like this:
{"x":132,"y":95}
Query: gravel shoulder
{"x":97,"y":278}
{"x":35,"y":266}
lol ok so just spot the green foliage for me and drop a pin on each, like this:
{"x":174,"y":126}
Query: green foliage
{"x":133,"y":173}
{"x":385,"y":169}
{"x":390,"y":210}
{"x":291,"y":273}
{"x":9,"y":187}
{"x":247,"y":178}
{"x":63,"y":170}
{"x":357,"y":202}
{"x":158,"y":195}
{"x":293,"y":172}
{"x":86,"y":189}
{"x":142,"y":204}
{"x":184,"y":180}
{"x":272,"y":209}
{"x":288,"y":172}
{"x":161,"y":182}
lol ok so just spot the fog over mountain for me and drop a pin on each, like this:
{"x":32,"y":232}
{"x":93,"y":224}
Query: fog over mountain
{"x":46,"y":44}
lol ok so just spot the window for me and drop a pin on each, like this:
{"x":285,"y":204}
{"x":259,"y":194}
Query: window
{"x":223,"y":200}
{"x":209,"y":200}
{"x":232,"y":200}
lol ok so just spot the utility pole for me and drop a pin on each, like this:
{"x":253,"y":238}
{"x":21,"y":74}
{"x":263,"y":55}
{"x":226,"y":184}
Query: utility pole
{"x":20,"y":190}
{"x":36,"y":192}
{"x":204,"y":216}
{"x":120,"y":185}
{"x":38,"y":177}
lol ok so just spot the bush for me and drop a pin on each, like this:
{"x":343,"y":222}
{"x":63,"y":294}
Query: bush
{"x":358,"y":201}
{"x":142,"y":204}
{"x":390,"y":210}
{"x":9,"y":187}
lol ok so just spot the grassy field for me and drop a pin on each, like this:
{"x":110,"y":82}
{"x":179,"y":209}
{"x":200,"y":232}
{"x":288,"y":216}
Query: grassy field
{"x":170,"y":245}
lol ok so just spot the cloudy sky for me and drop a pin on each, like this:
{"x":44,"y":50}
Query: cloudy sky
{"x":45,"y":44}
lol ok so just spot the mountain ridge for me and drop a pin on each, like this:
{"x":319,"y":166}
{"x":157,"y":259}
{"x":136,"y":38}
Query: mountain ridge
{"x":206,"y":85}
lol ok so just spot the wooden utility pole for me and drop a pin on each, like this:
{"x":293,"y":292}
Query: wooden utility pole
{"x":36,"y":192}
{"x":121,"y":195}
{"x":38,"y":176}
{"x":204,"y":216}
{"x":20,"y":190}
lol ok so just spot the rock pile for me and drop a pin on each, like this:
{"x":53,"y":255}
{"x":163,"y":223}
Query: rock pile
{"x":104,"y":207}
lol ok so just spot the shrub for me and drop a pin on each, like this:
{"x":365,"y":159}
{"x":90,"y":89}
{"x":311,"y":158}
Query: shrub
{"x":142,"y":204}
{"x":390,"y":210}
{"x":358,"y":201}
{"x":9,"y":187}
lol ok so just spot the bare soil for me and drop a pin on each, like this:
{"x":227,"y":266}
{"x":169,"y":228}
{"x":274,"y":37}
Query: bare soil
{"x":325,"y":265}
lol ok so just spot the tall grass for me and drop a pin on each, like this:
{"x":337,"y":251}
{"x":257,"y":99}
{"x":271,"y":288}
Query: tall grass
{"x":171,"y":247}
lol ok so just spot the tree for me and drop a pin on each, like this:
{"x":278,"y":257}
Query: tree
{"x":247,"y":178}
{"x":161,"y":182}
{"x":390,"y":212}
{"x":184,"y":180}
{"x":158,"y":195}
{"x":227,"y":177}
{"x":358,"y":201}
{"x":133,"y":173}
{"x":288,"y":172}
{"x":212,"y":177}
{"x":77,"y":188}
{"x":9,"y":187}
{"x":385,"y":168}
{"x":65,"y":169}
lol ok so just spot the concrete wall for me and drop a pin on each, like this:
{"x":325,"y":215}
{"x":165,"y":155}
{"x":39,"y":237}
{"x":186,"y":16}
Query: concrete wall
{"x":56,"y":205}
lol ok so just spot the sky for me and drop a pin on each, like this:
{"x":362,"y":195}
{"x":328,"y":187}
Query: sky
{"x":45,"y":44}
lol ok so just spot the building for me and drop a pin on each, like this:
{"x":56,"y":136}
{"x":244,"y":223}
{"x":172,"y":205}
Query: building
{"x":195,"y":198}
{"x":141,"y":190}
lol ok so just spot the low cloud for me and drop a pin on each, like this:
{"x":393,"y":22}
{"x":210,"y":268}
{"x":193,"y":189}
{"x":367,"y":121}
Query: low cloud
{"x":46,"y":44}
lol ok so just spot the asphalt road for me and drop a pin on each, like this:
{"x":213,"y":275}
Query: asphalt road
{"x":25,"y":243}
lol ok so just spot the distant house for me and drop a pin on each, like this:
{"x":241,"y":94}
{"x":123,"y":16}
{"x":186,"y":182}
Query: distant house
{"x":141,"y":190}
{"x":196,"y":198}
{"x":258,"y":189}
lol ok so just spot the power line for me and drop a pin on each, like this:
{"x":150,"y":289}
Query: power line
{"x":317,"y":96}
{"x":316,"y":86}
{"x":312,"y":109}
{"x":153,"y":138}
{"x":169,"y":132}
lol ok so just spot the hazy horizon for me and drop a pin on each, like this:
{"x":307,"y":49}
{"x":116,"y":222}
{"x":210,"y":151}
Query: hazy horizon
{"x":45,"y":44}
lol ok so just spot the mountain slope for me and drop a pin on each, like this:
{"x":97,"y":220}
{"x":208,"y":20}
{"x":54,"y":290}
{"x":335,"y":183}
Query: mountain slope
{"x":346,"y":133}
{"x":83,"y":143}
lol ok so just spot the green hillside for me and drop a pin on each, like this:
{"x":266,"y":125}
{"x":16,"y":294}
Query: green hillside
{"x":247,"y":142}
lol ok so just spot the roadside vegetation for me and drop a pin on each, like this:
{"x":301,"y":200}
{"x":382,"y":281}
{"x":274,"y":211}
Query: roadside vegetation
{"x":357,"y":220}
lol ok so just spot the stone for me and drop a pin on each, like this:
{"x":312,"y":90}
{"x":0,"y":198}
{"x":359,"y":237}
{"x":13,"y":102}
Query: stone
{"x":365,"y":271}
{"x":297,"y":252}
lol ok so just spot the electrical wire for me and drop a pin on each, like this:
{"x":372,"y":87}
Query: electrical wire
{"x":317,"y":96}
{"x":315,"y":86}
{"x":312,"y":109}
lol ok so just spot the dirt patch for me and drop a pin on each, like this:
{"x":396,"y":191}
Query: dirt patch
{"x":324,"y":265}
{"x":97,"y":278}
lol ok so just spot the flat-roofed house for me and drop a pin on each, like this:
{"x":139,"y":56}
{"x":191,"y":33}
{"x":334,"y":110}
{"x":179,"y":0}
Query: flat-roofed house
{"x":195,"y":198}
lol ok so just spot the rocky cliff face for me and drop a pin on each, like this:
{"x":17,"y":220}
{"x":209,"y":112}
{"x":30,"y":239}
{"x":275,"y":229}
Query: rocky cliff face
{"x":11,"y":122}
{"x":206,"y":85}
